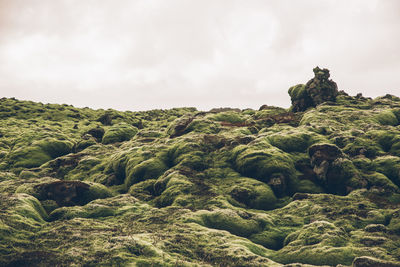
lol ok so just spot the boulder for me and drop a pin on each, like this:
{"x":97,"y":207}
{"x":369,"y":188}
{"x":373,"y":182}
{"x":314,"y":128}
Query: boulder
{"x":318,"y":90}
{"x":332,"y":169}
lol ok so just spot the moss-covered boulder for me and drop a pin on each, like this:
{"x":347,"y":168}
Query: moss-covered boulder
{"x":389,"y":166}
{"x":267,"y":164}
{"x":39,"y":152}
{"x":253,"y":194}
{"x":337,"y":173}
{"x":318,"y":90}
{"x":148,"y":169}
{"x":229,"y":221}
{"x":118,"y":133}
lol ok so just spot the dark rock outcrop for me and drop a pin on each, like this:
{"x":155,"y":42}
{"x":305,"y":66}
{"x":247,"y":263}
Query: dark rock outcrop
{"x":97,"y":133}
{"x":331,"y":167}
{"x":65,"y":193}
{"x":318,"y":90}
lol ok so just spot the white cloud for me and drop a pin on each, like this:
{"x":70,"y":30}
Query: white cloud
{"x":160,"y":54}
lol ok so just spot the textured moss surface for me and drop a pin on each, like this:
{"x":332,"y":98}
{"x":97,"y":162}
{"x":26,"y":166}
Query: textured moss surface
{"x":179,"y":187}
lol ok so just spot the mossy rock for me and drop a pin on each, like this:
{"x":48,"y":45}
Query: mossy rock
{"x":386,"y":117}
{"x":364,"y":164}
{"x":293,"y":140}
{"x":177,"y":187}
{"x":394,"y":224}
{"x":220,"y":189}
{"x":65,"y":193}
{"x":23,"y":210}
{"x":118,"y":133}
{"x":230,"y":117}
{"x":187,"y":154}
{"x":40,"y":152}
{"x":379,"y":180}
{"x":268,"y":164}
{"x":143,"y":190}
{"x":81,"y":145}
{"x":318,"y":243}
{"x":91,"y":210}
{"x":230,"y":221}
{"x":364,"y":147}
{"x":389,"y":166}
{"x":148,"y":169}
{"x":384,"y":138}
{"x":297,"y":91}
{"x":319,"y":232}
{"x":270,"y":238}
{"x":253,"y":194}
{"x":201,"y":125}
{"x":307,"y":186}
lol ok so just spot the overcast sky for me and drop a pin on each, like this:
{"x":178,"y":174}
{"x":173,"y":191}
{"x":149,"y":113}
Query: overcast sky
{"x":147,"y":54}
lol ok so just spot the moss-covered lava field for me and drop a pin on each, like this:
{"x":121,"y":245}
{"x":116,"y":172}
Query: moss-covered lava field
{"x":316,"y":184}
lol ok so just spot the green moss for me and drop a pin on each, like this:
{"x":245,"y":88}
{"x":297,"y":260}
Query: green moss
{"x":148,"y":169}
{"x":379,"y":180}
{"x":265,"y":162}
{"x":143,"y":190}
{"x":297,"y":91}
{"x":31,"y":208}
{"x":362,"y":146}
{"x":271,"y":238}
{"x":318,"y":256}
{"x":231,"y":117}
{"x":92,"y":210}
{"x":253,"y":194}
{"x":119,"y":133}
{"x":55,"y":148}
{"x":307,"y":186}
{"x":269,"y":112}
{"x":319,"y":232}
{"x":188,"y":154}
{"x":386,"y":117}
{"x":29,"y":157}
{"x":96,"y":191}
{"x":25,"y":174}
{"x":36,"y":189}
{"x":389,"y":166}
{"x":215,"y":194}
{"x":364,"y":164}
{"x":384,"y":138}
{"x":40,"y":152}
{"x":177,"y":191}
{"x":200,"y":125}
{"x":394,"y":225}
{"x":293,"y":139}
{"x":318,"y":243}
{"x":81,"y":145}
{"x":231,"y":222}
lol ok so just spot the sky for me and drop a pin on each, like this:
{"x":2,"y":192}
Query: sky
{"x":151,"y":54}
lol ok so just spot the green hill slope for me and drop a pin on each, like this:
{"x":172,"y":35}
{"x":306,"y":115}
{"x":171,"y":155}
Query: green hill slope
{"x":315,"y":184}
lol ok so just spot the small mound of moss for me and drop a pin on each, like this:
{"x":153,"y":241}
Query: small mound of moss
{"x":118,"y":133}
{"x":40,"y":152}
{"x":253,"y":194}
{"x":230,"y":221}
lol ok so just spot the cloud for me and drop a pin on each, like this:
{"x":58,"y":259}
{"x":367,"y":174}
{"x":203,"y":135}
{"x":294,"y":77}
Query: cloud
{"x":160,"y":54}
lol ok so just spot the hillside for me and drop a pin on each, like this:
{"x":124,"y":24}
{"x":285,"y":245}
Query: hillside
{"x":316,"y":184}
